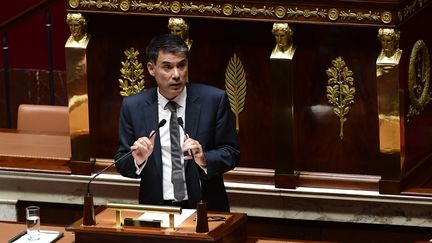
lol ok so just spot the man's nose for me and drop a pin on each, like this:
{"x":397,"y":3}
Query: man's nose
{"x":176,"y":73}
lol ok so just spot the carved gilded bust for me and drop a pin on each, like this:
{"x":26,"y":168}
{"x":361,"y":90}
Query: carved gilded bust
{"x":78,"y":28}
{"x":390,"y":52}
{"x":180,"y":28}
{"x":284,"y":48}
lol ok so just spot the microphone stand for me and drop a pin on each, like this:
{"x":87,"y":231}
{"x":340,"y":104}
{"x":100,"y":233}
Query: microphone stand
{"x":88,"y":211}
{"x":201,"y":210}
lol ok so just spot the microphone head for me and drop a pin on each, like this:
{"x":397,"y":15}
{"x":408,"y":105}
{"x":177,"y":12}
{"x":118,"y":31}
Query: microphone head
{"x":180,"y":121}
{"x":162,"y":123}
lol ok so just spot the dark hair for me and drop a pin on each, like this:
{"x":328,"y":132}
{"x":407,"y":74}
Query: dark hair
{"x":165,"y":43}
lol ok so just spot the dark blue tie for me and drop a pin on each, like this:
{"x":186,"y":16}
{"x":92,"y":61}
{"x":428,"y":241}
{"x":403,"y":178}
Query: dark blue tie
{"x":177,"y":167}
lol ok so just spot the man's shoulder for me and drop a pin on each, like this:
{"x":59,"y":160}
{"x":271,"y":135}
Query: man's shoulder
{"x":145,"y":95}
{"x":204,"y":89}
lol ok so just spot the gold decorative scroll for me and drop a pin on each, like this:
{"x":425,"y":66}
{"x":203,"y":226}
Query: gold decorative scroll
{"x":257,"y":10}
{"x":418,"y":79}
{"x":360,"y":15}
{"x":99,"y":3}
{"x":150,"y":6}
{"x":235,"y":85}
{"x":340,"y":90}
{"x":132,"y":80}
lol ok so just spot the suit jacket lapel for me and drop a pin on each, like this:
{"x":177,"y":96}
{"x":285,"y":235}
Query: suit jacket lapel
{"x":151,"y":118}
{"x":192,"y":113}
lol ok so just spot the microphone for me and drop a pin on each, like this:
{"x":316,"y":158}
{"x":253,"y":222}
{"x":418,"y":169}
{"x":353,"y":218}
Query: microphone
{"x":180,"y":122}
{"x":88,"y":214}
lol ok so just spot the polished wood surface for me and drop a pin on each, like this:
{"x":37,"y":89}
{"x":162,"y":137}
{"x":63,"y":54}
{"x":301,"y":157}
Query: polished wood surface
{"x":11,"y":229}
{"x":233,"y":229}
{"x":34,"y":145}
{"x":274,"y":240}
{"x":34,"y":152}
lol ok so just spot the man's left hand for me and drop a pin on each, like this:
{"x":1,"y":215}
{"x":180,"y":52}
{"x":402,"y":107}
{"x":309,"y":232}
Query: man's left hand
{"x":193,"y":146}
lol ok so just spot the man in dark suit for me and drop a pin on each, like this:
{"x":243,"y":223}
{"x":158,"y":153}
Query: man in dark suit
{"x":209,"y":141}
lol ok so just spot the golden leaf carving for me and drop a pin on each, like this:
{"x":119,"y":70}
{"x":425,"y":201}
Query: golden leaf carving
{"x":340,"y":90}
{"x":132,"y":77}
{"x":235,"y":85}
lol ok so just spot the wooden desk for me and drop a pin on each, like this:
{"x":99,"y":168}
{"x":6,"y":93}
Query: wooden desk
{"x":34,"y":152}
{"x":274,"y":240}
{"x":233,"y":229}
{"x":9,"y":229}
{"x":35,"y":145}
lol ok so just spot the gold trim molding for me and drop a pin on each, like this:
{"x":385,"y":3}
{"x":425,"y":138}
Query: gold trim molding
{"x":236,"y":10}
{"x":340,"y":90}
{"x":409,"y":8}
{"x":418,"y":79}
{"x":235,"y":85}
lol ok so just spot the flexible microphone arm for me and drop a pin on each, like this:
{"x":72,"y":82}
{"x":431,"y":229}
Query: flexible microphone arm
{"x":88,"y":209}
{"x":180,"y":122}
{"x":161,"y":124}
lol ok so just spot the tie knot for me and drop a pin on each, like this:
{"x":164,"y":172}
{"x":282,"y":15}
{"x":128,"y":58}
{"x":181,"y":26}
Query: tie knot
{"x":172,"y":106}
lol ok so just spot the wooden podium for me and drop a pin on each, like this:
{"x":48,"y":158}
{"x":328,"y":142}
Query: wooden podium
{"x":232,"y":229}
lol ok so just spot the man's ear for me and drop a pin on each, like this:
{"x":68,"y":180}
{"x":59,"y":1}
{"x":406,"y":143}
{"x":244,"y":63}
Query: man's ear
{"x":151,"y":68}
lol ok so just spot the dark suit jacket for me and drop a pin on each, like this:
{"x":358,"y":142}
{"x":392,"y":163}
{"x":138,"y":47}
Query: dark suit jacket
{"x":208,"y":120}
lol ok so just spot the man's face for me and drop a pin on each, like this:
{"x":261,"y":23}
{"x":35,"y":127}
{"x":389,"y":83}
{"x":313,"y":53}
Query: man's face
{"x":176,"y":30}
{"x":388,"y":45}
{"x":76,"y":30}
{"x":281,"y":39}
{"x":170,"y":72}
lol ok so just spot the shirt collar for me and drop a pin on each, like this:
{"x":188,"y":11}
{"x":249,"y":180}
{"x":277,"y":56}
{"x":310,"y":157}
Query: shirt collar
{"x":179,"y":99}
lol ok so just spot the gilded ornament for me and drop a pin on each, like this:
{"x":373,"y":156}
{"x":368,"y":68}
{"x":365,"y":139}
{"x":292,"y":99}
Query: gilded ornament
{"x":132,"y":74}
{"x":235,"y":85}
{"x":150,"y":6}
{"x":254,"y":11}
{"x":175,"y":7}
{"x":333,"y":14}
{"x":124,"y":5}
{"x":201,"y":8}
{"x":74,"y":3}
{"x":386,"y":17}
{"x":418,"y":79}
{"x":307,"y":13}
{"x":340,"y":90}
{"x":360,"y":16}
{"x":99,"y":4}
{"x":400,"y":16}
{"x":227,"y":9}
{"x":280,"y":12}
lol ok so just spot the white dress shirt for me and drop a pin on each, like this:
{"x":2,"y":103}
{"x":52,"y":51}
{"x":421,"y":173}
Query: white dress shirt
{"x":165,"y":141}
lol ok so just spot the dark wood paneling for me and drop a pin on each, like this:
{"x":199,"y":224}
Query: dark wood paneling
{"x":215,"y":42}
{"x":319,"y":145}
{"x":418,"y":130}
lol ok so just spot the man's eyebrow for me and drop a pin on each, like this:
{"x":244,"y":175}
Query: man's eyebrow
{"x":171,"y":63}
{"x":166,"y":63}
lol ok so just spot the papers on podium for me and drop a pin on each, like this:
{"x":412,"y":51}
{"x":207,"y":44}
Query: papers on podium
{"x":164,"y":217}
{"x":46,"y":236}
